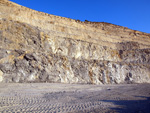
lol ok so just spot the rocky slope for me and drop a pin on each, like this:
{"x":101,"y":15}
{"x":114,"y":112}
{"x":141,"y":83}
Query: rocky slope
{"x":39,"y":47}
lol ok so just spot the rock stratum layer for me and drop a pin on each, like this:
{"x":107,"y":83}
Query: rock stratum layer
{"x":39,"y":47}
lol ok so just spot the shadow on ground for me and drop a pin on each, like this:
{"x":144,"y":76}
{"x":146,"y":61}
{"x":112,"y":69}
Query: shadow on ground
{"x":131,"y":106}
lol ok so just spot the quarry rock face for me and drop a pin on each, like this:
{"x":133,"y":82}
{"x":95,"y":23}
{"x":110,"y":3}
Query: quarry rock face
{"x":39,"y":47}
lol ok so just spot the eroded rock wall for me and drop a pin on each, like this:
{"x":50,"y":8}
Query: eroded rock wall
{"x":38,"y":47}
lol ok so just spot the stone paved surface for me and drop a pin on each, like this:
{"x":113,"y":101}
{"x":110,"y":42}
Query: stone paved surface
{"x":71,"y":98}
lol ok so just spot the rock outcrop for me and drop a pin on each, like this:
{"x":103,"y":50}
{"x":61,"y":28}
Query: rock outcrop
{"x":39,"y":47}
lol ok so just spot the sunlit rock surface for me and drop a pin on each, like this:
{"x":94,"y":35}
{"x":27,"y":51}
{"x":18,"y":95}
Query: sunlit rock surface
{"x":39,"y":47}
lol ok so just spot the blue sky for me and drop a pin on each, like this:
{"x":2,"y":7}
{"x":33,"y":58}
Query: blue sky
{"x":134,"y":14}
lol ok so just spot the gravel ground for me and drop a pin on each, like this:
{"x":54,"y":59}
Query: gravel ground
{"x":74,"y":98}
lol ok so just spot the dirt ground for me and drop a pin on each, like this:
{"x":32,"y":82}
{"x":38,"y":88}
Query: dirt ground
{"x":74,"y":98}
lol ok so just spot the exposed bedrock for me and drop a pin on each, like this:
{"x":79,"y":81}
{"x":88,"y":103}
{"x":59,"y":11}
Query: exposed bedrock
{"x":29,"y":55}
{"x":65,"y":51}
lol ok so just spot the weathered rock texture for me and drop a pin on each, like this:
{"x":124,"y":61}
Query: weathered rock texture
{"x":38,"y":47}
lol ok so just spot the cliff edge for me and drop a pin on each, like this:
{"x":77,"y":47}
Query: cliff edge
{"x":39,"y":47}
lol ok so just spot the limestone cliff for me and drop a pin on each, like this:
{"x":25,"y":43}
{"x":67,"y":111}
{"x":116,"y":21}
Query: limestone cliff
{"x":39,"y":47}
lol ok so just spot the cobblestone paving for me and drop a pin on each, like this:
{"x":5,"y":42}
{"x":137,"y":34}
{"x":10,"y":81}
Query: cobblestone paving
{"x":71,"y":98}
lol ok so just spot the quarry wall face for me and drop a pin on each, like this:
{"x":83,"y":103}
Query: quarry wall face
{"x":39,"y":47}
